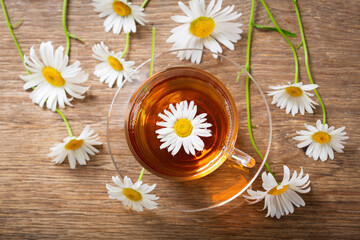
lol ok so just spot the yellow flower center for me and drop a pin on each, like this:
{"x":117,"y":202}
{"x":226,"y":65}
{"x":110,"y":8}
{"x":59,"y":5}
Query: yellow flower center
{"x":115,"y":63}
{"x":294,"y":91}
{"x":74,"y":144}
{"x":274,"y":191}
{"x":121,"y":8}
{"x":202,"y":27}
{"x":321,"y":137}
{"x":53,"y":77}
{"x":183,"y":127}
{"x":132,"y":194}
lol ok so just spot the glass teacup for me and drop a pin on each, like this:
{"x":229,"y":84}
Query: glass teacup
{"x":172,"y":86}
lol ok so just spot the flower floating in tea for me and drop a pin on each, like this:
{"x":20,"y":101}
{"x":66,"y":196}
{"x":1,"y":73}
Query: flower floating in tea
{"x":280,"y":198}
{"x":321,"y":140}
{"x":76,"y":148}
{"x":113,"y":68}
{"x":119,"y":14}
{"x":53,"y":78}
{"x":183,"y":128}
{"x":204,"y":27}
{"x":133,"y":195}
{"x":294,"y":97}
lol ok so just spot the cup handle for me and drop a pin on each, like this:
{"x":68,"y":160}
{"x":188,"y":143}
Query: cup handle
{"x":242,"y":158}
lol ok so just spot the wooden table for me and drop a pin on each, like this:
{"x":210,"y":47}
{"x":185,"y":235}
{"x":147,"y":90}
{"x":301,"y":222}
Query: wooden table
{"x":41,"y":200}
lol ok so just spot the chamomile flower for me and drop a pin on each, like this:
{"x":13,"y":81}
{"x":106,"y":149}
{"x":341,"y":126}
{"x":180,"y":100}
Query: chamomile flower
{"x":76,"y":148}
{"x":321,"y":140}
{"x":112,"y":68}
{"x":204,"y":27}
{"x":52,"y":77}
{"x":133,"y":195}
{"x":119,"y":14}
{"x":183,"y":128}
{"x":294,"y":97}
{"x":280,"y":198}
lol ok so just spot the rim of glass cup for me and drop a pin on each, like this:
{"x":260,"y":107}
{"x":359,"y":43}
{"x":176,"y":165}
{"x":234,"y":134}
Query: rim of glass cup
{"x":243,"y":70}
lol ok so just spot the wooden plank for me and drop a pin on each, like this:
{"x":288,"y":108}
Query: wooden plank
{"x":40,"y":200}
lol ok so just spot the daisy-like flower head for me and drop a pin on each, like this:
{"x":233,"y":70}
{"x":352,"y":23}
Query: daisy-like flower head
{"x":112,"y":67}
{"x":294,"y":97}
{"x":204,"y":27}
{"x":119,"y":14}
{"x":76,"y":148}
{"x":133,"y":195}
{"x":183,"y":128}
{"x":280,"y":198}
{"x":53,"y":78}
{"x":321,"y":140}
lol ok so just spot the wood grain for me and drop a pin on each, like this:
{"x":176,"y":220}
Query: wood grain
{"x":39,"y":200}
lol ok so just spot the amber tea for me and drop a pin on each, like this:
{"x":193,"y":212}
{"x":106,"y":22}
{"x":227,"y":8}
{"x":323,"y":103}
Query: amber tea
{"x":170,"y":87}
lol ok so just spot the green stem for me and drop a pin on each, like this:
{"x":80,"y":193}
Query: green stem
{"x":151,"y":72}
{"x":239,"y":74}
{"x":248,"y":113}
{"x":66,"y":122}
{"x":17,"y":23}
{"x":268,"y":19}
{"x":152,"y":51}
{"x":66,"y":31}
{"x":67,"y":35}
{"x":299,"y":46}
{"x":12,"y":32}
{"x":143,"y":5}
{"x":126,"y":45}
{"x":248,"y":49}
{"x":306,"y":53}
{"x":141,"y":174}
{"x":76,"y":37}
{"x":286,"y":32}
{"x":247,"y":67}
{"x":286,"y":39}
{"x":22,"y":57}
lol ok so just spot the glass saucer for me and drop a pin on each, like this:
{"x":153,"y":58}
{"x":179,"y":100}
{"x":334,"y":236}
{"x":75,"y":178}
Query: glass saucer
{"x":227,"y":182}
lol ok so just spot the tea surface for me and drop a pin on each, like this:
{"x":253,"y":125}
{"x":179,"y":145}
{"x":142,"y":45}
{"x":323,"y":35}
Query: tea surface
{"x":142,"y":125}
